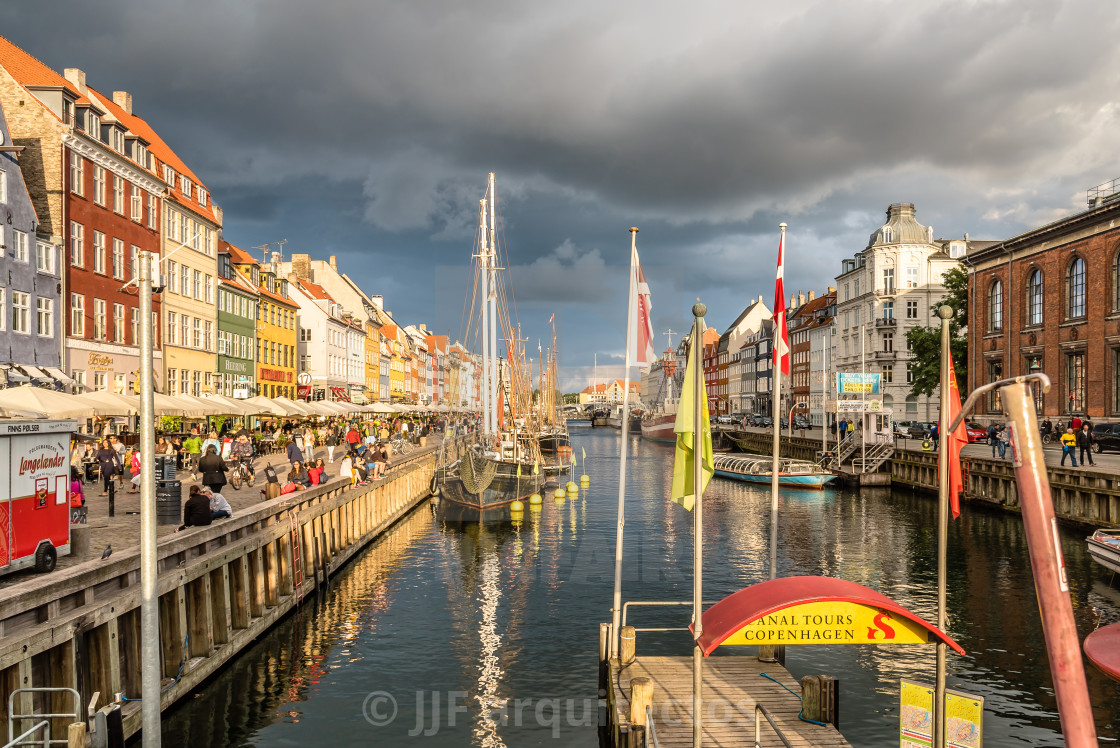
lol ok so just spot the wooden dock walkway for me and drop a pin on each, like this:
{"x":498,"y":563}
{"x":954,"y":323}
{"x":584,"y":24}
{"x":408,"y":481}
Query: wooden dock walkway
{"x":732,"y":687}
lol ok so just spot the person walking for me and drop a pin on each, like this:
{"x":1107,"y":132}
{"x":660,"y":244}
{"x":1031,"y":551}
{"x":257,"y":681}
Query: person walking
{"x":993,"y":438}
{"x":332,"y":442}
{"x":309,"y":443}
{"x":213,"y":469}
{"x":1004,"y":438}
{"x":1085,"y":443}
{"x":1069,"y":442}
{"x":934,"y":436}
{"x":192,"y":450}
{"x":108,"y":463}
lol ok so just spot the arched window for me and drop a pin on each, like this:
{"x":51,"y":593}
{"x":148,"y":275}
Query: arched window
{"x":1075,"y":289}
{"x":1034,"y":298}
{"x":888,"y":234}
{"x":995,"y":306}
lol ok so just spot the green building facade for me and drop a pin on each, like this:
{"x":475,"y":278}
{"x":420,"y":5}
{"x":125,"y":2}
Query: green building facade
{"x":237,"y":338}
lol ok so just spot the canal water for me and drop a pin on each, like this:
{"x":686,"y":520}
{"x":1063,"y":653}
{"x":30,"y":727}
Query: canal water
{"x":487,"y":636}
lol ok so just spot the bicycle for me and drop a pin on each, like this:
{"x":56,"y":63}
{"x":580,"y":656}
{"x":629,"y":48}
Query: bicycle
{"x":400,"y":445}
{"x":240,"y":475}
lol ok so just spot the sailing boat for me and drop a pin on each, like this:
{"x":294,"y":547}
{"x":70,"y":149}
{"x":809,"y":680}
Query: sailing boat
{"x":658,"y":423}
{"x":482,"y":478}
{"x":555,"y":443}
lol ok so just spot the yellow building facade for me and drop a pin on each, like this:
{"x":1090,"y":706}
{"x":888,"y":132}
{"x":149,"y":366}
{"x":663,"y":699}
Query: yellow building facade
{"x":373,"y":361}
{"x":277,"y":328}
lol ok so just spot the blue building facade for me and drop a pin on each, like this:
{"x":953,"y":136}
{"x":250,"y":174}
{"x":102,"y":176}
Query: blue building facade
{"x":30,"y":282}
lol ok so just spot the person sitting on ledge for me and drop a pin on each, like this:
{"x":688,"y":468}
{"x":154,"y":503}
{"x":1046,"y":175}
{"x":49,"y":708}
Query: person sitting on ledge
{"x":219,"y":507}
{"x":196,"y":512}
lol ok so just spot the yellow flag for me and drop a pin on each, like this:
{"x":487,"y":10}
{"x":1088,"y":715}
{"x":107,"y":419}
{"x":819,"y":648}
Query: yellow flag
{"x":581,"y":449}
{"x":536,"y":468}
{"x":519,"y":470}
{"x":684,"y":492}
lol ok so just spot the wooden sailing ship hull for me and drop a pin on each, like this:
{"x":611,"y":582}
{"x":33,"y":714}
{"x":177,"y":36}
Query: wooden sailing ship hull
{"x":555,"y":442}
{"x":660,"y":429}
{"x":493,"y":501}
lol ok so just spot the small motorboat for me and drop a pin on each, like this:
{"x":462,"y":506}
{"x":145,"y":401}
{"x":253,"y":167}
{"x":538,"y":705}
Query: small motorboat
{"x":1104,"y":547}
{"x":757,"y":469}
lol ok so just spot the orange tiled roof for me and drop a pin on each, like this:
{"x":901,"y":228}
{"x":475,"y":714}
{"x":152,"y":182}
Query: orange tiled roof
{"x":315,"y":291}
{"x":29,"y":70}
{"x":237,"y":255}
{"x":163,"y":155}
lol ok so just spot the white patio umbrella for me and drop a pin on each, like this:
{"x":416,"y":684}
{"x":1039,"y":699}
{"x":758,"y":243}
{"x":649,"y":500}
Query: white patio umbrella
{"x":53,"y":404}
{"x":264,"y":406}
{"x":294,"y":408}
{"x":188,"y":406}
{"x":123,"y":404}
{"x":6,"y":412}
{"x":232,"y":407}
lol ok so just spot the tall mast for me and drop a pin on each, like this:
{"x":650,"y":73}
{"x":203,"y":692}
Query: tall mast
{"x":483,"y":254}
{"x":492,"y":303}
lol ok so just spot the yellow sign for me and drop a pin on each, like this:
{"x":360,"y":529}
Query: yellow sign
{"x":964,"y":718}
{"x":831,"y":622}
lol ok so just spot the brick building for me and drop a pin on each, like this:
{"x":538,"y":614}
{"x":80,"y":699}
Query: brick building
{"x":810,"y":314}
{"x":1048,"y":301}
{"x":92,"y":181}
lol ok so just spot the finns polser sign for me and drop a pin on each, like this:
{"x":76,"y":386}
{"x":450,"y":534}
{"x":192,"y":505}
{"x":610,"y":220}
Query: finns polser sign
{"x":857,"y":384}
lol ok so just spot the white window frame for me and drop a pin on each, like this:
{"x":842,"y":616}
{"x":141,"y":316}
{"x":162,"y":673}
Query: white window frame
{"x":118,"y":259}
{"x":3,"y":186}
{"x":20,"y":240}
{"x":202,"y":197}
{"x":77,"y":314}
{"x":184,"y":330}
{"x":134,"y":327}
{"x":152,"y":223}
{"x":172,"y":220}
{"x":184,"y":185}
{"x":44,"y":254}
{"x":208,"y":289}
{"x":118,"y":195}
{"x":118,"y":323}
{"x":100,"y":320}
{"x":44,"y":317}
{"x":98,"y":252}
{"x":172,"y":332}
{"x":76,"y":172}
{"x":172,"y":276}
{"x":169,"y":176}
{"x":21,"y":312}
{"x":137,"y":203}
{"x":99,"y":185}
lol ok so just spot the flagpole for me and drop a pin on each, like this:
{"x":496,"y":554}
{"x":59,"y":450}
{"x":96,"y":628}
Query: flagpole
{"x":698,"y":311}
{"x":944,"y":312}
{"x":616,"y":609}
{"x":775,"y":408}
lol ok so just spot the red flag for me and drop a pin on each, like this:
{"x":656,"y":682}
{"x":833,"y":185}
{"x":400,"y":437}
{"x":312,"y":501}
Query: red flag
{"x":781,"y":347}
{"x":640,"y":321}
{"x":956,"y":440}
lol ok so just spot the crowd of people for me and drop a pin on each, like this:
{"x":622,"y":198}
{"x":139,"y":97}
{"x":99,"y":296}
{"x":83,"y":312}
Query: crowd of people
{"x":361,"y":448}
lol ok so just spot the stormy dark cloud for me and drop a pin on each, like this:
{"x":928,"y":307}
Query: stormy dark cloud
{"x":365,"y":130}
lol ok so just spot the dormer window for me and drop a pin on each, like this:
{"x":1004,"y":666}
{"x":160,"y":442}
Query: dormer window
{"x":67,"y":112}
{"x":888,"y":234}
{"x":184,"y":185}
{"x":141,"y":155}
{"x":93,"y":124}
{"x":116,"y":139}
{"x":202,"y":196}
{"x":169,"y":176}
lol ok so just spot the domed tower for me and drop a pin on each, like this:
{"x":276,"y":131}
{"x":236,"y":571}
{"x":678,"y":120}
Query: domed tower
{"x":902,"y":227}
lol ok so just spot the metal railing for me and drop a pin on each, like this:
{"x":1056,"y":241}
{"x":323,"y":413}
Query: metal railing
{"x":658,"y":604}
{"x":760,"y":709}
{"x":26,"y":739}
{"x":14,"y":717}
{"x":651,"y":729}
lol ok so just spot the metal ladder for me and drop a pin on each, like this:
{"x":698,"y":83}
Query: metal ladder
{"x":876,"y":455}
{"x":41,"y":723}
{"x":297,"y":557}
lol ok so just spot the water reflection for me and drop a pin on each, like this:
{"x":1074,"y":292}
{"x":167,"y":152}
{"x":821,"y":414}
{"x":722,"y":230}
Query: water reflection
{"x":498,"y":621}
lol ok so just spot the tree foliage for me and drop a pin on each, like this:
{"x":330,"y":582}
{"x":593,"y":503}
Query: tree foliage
{"x":924,"y":343}
{"x":571,"y":398}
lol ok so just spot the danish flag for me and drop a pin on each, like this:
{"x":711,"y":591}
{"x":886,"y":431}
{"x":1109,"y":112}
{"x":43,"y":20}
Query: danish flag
{"x":640,"y":319}
{"x":781,"y":338}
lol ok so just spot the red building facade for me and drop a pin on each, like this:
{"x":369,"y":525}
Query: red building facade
{"x":1048,"y":301}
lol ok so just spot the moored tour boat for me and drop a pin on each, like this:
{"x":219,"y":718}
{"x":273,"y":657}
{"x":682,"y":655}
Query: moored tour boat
{"x":758,"y":469}
{"x":1104,"y":547}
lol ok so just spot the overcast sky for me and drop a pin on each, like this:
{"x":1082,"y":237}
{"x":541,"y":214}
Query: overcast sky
{"x":365,"y":129}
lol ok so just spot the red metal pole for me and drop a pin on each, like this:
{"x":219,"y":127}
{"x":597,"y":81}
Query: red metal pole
{"x":1050,"y":582}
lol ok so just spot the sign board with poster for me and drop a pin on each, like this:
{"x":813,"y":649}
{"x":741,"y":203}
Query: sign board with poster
{"x":857,"y":384}
{"x":964,"y":717}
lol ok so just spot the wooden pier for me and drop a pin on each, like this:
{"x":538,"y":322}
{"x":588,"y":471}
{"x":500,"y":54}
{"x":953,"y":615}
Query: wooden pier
{"x":220,"y":587}
{"x":732,"y":687}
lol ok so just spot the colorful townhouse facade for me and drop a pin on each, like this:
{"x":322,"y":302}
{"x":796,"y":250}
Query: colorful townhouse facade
{"x":276,"y":325}
{"x":238,"y":306}
{"x":92,"y":182}
{"x":30,"y":300}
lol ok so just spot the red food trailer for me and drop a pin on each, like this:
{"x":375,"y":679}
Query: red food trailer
{"x":34,"y":493}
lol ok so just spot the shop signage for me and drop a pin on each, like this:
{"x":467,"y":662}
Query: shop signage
{"x":234,"y":366}
{"x":275,"y":375}
{"x":862,"y":406}
{"x":856,"y":384}
{"x":304,"y":378}
{"x":100,"y":362}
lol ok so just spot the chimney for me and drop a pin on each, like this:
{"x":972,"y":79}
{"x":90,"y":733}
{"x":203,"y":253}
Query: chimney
{"x":77,"y":76}
{"x":378,"y":301}
{"x":301,"y":266}
{"x":800,"y":298}
{"x":832,"y":289}
{"x":812,"y":295}
{"x":333,"y":264}
{"x":966,"y":237}
{"x":123,"y":99}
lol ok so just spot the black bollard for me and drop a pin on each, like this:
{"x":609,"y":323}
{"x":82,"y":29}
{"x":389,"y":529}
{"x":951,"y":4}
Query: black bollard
{"x":112,"y":498}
